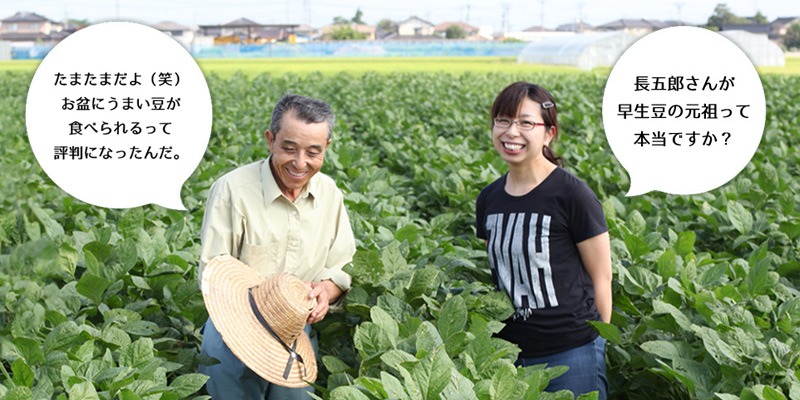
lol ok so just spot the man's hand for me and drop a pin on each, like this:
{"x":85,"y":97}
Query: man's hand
{"x":325,"y":292}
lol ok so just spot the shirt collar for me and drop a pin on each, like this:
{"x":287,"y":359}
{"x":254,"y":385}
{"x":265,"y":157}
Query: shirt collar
{"x":271,"y":190}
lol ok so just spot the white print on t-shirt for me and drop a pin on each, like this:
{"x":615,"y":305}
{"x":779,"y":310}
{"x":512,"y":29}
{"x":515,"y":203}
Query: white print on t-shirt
{"x":529,"y":282}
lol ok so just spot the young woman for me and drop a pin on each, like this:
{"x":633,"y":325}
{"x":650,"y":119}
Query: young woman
{"x":547,"y":243}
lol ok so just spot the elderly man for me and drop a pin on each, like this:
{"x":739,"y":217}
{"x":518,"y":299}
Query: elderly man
{"x":279,"y":215}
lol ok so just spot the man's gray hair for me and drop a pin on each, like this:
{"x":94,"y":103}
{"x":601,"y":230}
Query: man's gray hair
{"x":306,"y":109}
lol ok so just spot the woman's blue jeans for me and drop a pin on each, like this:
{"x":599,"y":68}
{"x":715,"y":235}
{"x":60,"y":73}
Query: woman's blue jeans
{"x":587,"y":368}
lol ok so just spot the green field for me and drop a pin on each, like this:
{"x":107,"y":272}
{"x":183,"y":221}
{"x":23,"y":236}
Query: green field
{"x":100,"y":303}
{"x":278,"y":66}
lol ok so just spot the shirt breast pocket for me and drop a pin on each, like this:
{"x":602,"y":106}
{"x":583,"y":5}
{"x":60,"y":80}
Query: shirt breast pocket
{"x":262,"y":258}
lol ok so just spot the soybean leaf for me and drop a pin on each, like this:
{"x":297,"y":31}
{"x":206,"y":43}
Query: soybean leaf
{"x":93,"y":287}
{"x":453,"y":317}
{"x":186,"y":384}
{"x":432,"y":374}
{"x":136,"y":354}
{"x":740,"y":217}
{"x":83,"y":391}
{"x":61,"y":336}
{"x":607,"y":331}
{"x":348,"y":393}
{"x":394,"y":389}
{"x":505,"y":385}
{"x":334,"y":365}
{"x":22,"y":373}
{"x":19,"y":393}
{"x":385,"y":322}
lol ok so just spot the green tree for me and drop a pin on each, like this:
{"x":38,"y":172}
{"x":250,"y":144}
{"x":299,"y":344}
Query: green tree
{"x":792,"y":38}
{"x":346,"y":33}
{"x":723,"y":15}
{"x":80,"y":23}
{"x":387,"y":25}
{"x":339,"y":20}
{"x":455,"y":32}
{"x":357,"y":18}
{"x":760,"y":18}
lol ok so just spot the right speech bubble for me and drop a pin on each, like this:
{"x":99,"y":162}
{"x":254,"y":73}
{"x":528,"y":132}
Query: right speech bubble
{"x":683,"y":111}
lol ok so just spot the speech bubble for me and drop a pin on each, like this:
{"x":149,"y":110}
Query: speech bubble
{"x":683,"y":111}
{"x":119,"y":116}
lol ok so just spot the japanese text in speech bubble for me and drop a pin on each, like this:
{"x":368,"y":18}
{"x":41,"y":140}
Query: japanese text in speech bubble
{"x":683,"y":111}
{"x":119,"y":115}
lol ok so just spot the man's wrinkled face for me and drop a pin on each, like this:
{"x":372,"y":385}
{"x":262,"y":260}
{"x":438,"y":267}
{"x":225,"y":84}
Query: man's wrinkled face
{"x":297,"y":152}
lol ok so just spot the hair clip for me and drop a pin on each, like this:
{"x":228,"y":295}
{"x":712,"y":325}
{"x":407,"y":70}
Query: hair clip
{"x":548,"y":104}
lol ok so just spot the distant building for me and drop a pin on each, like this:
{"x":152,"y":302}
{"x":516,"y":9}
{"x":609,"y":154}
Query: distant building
{"x":416,"y":27}
{"x":441,"y":29}
{"x":637,"y":26}
{"x":181,"y":33}
{"x":780,"y":26}
{"x":27,"y":29}
{"x":535,"y":33}
{"x":245,"y":31}
{"x":764,"y":29}
{"x":577,"y":27}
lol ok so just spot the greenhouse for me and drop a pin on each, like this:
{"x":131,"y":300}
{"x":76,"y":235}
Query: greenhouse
{"x":760,"y":50}
{"x":585,"y":51}
{"x":602,"y":49}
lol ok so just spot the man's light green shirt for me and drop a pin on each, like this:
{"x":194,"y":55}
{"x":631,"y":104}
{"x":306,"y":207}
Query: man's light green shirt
{"x":249,"y":218}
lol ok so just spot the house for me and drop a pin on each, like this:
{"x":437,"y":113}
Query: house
{"x":535,"y":33}
{"x":27,"y":28}
{"x":781,"y":25}
{"x":441,"y":29}
{"x":416,"y":27}
{"x":763,"y":29}
{"x":577,"y":27}
{"x":181,"y":33}
{"x":637,"y":26}
{"x":245,"y":31}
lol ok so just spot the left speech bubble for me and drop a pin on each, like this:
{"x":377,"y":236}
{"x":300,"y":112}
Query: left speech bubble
{"x":119,"y":115}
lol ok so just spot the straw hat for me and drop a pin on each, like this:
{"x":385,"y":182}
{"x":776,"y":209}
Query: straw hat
{"x":262,"y":320}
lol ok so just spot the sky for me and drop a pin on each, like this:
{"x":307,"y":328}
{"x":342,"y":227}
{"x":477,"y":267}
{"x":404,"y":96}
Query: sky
{"x":497,"y":14}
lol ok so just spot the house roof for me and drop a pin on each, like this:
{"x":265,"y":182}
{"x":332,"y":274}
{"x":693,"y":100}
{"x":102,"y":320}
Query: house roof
{"x":633,"y":24}
{"x":33,"y":36}
{"x":752,"y":28}
{"x":271,"y":33}
{"x":414,"y":17}
{"x":573,"y":27}
{"x":170,"y":26}
{"x":465,"y":26}
{"x":241,"y":23}
{"x":784,"y":21}
{"x":24,"y":16}
{"x":536,"y":29}
{"x":246,"y":23}
{"x":410,"y":38}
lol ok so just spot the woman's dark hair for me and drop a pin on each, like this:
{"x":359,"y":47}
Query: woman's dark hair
{"x":509,"y":101}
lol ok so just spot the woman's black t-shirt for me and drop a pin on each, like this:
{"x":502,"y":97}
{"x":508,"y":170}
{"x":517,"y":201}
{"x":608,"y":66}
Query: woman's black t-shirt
{"x":531,"y":244}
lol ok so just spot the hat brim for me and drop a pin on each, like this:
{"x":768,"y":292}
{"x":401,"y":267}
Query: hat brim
{"x":225,"y":283}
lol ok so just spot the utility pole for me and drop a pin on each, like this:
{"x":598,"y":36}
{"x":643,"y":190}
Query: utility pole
{"x":505,"y":26}
{"x":467,"y":21}
{"x":541,"y":14}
